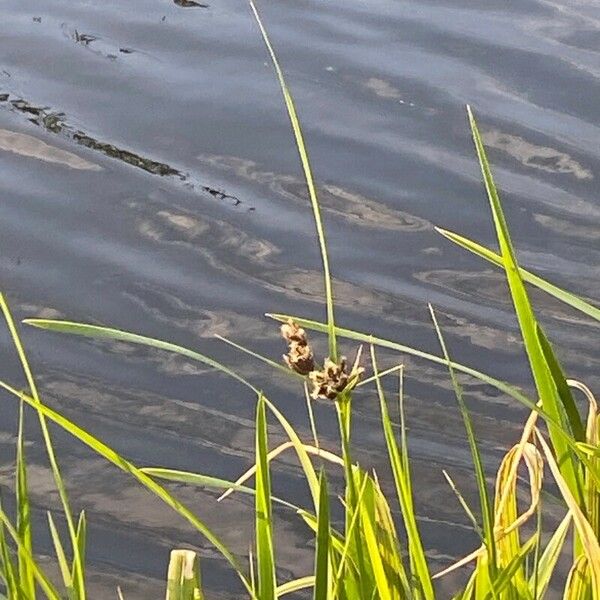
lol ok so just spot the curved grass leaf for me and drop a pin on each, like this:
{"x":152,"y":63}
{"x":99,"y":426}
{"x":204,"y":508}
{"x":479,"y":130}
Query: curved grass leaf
{"x":544,"y":381}
{"x":109,"y":333}
{"x":312,"y":191}
{"x":78,"y":566}
{"x":296,"y":585}
{"x":484,"y":498}
{"x":40,"y":577}
{"x":567,"y":297}
{"x":117,"y":460}
{"x":207,"y":481}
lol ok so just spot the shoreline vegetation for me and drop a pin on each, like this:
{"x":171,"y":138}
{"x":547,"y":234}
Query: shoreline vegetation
{"x":372,"y":556}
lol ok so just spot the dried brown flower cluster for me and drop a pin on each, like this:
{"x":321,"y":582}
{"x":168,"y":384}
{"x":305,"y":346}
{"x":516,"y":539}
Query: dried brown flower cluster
{"x":299,"y":357}
{"x":328,"y":382}
{"x":334,"y":379}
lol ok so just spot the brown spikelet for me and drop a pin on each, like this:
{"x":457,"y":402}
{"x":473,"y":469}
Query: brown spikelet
{"x":334,"y":379}
{"x":299,"y":357}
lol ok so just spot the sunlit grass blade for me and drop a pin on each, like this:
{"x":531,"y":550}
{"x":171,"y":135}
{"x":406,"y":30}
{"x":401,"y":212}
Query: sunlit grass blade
{"x":183,"y":576}
{"x":311,"y":415}
{"x":579,"y":584}
{"x":79,"y":578}
{"x":568,"y":403}
{"x":465,"y":506}
{"x":484,"y":497}
{"x":345,"y":567}
{"x":117,"y":460}
{"x":398,"y":463}
{"x":61,"y":557}
{"x":545,"y":384}
{"x":109,"y":333}
{"x":560,"y":294}
{"x":322,"y":590}
{"x":8,"y":569}
{"x":507,"y":520}
{"x":301,"y":451}
{"x":368,"y":530}
{"x":587,"y":536}
{"x":265,"y":551}
{"x":296,"y":585}
{"x":503,"y":584}
{"x":81,"y":537}
{"x":95,"y":331}
{"x":305,"y":450}
{"x":312,"y":191}
{"x":26,"y":577}
{"x":545,"y":567}
{"x":40,"y":577}
{"x":207,"y":481}
{"x":401,"y":583}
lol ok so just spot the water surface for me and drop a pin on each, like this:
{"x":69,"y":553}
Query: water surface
{"x":149,"y":181}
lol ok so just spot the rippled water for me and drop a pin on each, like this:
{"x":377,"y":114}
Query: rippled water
{"x":148,"y":180}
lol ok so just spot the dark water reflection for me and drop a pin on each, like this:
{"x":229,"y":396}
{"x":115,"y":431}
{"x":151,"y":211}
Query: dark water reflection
{"x":149,"y":181}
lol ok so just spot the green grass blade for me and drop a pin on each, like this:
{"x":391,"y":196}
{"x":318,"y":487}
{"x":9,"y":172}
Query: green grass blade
{"x":507,"y":574}
{"x":117,"y":460}
{"x":542,"y":376}
{"x":40,"y":577}
{"x":8,"y":569}
{"x":26,"y":577}
{"x":305,"y":462}
{"x":265,"y":550}
{"x":398,"y":461}
{"x":79,"y":580}
{"x":343,"y":572}
{"x":465,"y":506}
{"x":312,"y":191}
{"x":368,"y":529}
{"x":61,"y":557}
{"x":81,"y":535}
{"x":567,"y":297}
{"x":108,"y":333}
{"x":484,"y":497}
{"x":322,"y":577}
{"x":296,"y":585}
{"x":539,"y":581}
{"x":207,"y":481}
{"x":183,"y":576}
{"x":564,"y":391}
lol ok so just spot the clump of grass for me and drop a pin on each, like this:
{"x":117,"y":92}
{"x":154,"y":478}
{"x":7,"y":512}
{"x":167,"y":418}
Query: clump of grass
{"x":369,"y":558}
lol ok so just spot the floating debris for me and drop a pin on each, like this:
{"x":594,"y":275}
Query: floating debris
{"x":84,"y":38}
{"x":190,"y":4}
{"x":56,"y":122}
{"x":151,"y":166}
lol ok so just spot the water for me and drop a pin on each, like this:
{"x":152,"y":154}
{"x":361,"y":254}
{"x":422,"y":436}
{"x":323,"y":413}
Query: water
{"x":149,"y":181}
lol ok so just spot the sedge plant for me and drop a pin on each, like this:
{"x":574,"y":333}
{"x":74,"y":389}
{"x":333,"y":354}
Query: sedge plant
{"x":378,"y":551}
